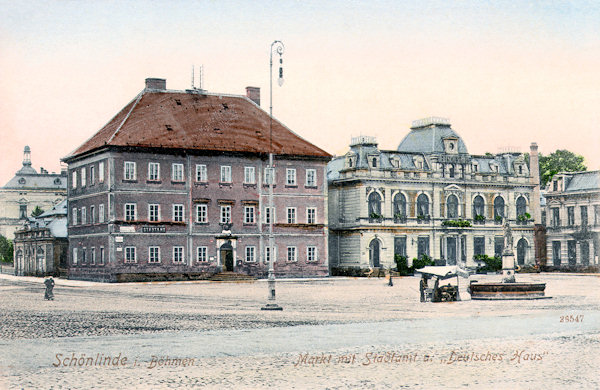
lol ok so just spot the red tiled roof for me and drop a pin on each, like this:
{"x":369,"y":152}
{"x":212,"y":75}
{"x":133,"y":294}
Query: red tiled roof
{"x":172,"y":119}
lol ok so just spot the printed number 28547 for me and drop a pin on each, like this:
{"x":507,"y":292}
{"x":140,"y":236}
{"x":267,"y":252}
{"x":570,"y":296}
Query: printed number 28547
{"x":572,"y":318}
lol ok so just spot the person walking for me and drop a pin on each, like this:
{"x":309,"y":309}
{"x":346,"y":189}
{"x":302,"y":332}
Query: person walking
{"x":49,"y":294}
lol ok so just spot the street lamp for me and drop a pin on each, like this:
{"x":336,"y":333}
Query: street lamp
{"x":279,"y":48}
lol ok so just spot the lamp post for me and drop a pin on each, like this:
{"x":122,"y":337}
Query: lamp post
{"x":279,"y":48}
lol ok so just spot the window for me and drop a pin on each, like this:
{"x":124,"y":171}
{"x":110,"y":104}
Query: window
{"x":572,"y":252}
{"x":93,"y":254}
{"x":101,"y":171}
{"x":225,"y":174}
{"x":584,"y":215}
{"x":556,"y":253}
{"x":154,"y":254}
{"x":570,"y":216}
{"x":153,"y":171}
{"x":451,"y":170}
{"x":92,"y":214}
{"x":249,"y":214}
{"x":202,"y":213}
{"x":225,"y":214}
{"x":83,"y":176}
{"x":422,"y":205}
{"x":311,"y":253}
{"x":311,"y":178}
{"x":499,"y":207}
{"x":74,"y":215}
{"x":250,"y":254}
{"x":178,"y":254}
{"x":154,"y":212}
{"x":374,"y":205}
{"x":130,"y":212}
{"x":23,"y":211}
{"x":83,"y":216}
{"x":92,"y":175}
{"x":521,"y":206}
{"x":74,"y":179}
{"x":177,"y":213}
{"x":129,"y":168}
{"x":101,"y":212}
{"x":422,"y":247}
{"x":268,"y":251}
{"x":475,"y":167}
{"x":399,"y":206}
{"x":202,"y":254}
{"x":290,"y":177}
{"x":498,"y":246}
{"x":74,"y":255}
{"x":101,"y":258}
{"x":268,"y":212}
{"x":201,"y":173}
{"x":555,"y":217}
{"x":452,"y":204}
{"x":177,"y":172}
{"x":291,"y":214}
{"x":130,"y":254}
{"x":269,"y":176}
{"x":596,"y":215}
{"x":400,"y":246}
{"x":83,"y":251}
{"x":292,"y":253}
{"x":479,"y":245}
{"x":555,"y":185}
{"x":249,"y":175}
{"x":311,"y":215}
{"x":478,"y":207}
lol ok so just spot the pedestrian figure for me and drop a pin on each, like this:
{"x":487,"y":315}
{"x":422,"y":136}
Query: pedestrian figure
{"x":49,"y":295}
{"x":423,"y":286}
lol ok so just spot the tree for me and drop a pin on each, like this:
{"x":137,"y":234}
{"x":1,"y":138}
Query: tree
{"x":6,"y":249}
{"x":37,"y":211}
{"x":559,"y":161}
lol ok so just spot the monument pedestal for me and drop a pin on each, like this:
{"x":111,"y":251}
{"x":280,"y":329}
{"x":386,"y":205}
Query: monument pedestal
{"x":508,"y":268}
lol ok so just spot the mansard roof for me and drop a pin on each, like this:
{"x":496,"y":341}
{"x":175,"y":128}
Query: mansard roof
{"x":583,"y":181}
{"x":197,"y":120}
{"x":37,"y":181}
{"x":427,"y":136}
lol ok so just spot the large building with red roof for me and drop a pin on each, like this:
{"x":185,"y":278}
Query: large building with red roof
{"x":173,"y":186}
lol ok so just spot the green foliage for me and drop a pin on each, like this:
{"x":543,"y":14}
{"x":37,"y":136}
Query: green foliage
{"x":456,"y":223}
{"x":524,"y":217}
{"x":498,"y":218}
{"x":479,"y":217}
{"x":402,"y":265}
{"x":6,"y":250}
{"x":37,"y":211}
{"x":559,"y":161}
{"x":492,"y":264}
{"x":374,"y":216}
{"x":422,"y":262}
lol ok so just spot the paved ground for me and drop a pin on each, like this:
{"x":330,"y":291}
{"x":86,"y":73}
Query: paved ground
{"x":377,"y":336}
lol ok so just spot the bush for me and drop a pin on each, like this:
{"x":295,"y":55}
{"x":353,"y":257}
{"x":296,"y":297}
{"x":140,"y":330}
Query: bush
{"x":6,"y":250}
{"x":402,"y":265}
{"x":422,"y":262}
{"x":456,"y":223}
{"x":492,"y":264}
{"x":479,"y":217}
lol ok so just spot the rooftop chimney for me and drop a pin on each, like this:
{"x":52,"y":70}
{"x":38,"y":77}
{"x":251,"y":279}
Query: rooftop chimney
{"x":160,"y":84}
{"x":253,"y":93}
{"x":534,"y":172}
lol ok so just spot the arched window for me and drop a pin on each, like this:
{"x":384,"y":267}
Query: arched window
{"x":399,"y":205}
{"x":374,"y":253}
{"x":422,"y":205}
{"x":374,"y":162}
{"x":451,"y":170}
{"x":521,"y":251}
{"x":521,"y":206}
{"x":499,"y":207}
{"x":452,"y":205}
{"x":374,"y":205}
{"x":478,"y":206}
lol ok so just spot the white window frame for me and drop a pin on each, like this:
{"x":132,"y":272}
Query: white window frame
{"x":249,"y":175}
{"x":125,"y":211}
{"x":83,"y":216}
{"x":153,"y":171}
{"x":267,"y":253}
{"x":225,"y":174}
{"x":176,"y":216}
{"x":249,"y":211}
{"x":293,"y":251}
{"x":201,"y":173}
{"x":92,"y":214}
{"x":250,"y":254}
{"x":92,"y":174}
{"x":156,"y":258}
{"x":154,"y":216}
{"x":267,"y":213}
{"x":93,"y":255}
{"x":74,"y":216}
{"x":177,"y":172}
{"x":83,"y":177}
{"x":293,"y":215}
{"x":202,"y":254}
{"x":101,"y":172}
{"x":127,"y":251}
{"x":308,"y":212}
{"x":269,"y":173}
{"x":315,"y":255}
{"x":290,"y":177}
{"x":101,"y":257}
{"x":202,"y":213}
{"x":311,"y":178}
{"x":182,"y":251}
{"x":75,"y":259}
{"x":129,"y":170}
{"x":101,"y":213}
{"x":74,"y":179}
{"x":225,"y":213}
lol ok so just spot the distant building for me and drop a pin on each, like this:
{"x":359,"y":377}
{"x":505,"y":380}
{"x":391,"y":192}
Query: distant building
{"x":174,"y":185}
{"x":27,"y":190}
{"x":573,"y":219}
{"x":428,"y":197}
{"x":41,"y":245}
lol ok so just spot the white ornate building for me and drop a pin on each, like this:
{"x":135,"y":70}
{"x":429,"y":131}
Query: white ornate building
{"x":428,"y":197}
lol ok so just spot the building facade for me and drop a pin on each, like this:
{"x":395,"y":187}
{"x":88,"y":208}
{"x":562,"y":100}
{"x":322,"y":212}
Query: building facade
{"x":27,"y":190}
{"x":177,"y":184}
{"x":41,"y":246}
{"x":573,"y":220}
{"x":428,"y":197}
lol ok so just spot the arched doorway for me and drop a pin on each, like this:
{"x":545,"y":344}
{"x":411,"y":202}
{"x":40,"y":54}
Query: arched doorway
{"x":521,"y":251}
{"x":374,"y":253}
{"x":226,"y":254}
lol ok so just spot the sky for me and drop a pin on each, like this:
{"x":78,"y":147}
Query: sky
{"x":505,"y":73}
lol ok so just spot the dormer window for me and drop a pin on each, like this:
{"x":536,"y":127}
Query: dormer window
{"x":475,"y":167}
{"x":451,"y":145}
{"x":374,"y":162}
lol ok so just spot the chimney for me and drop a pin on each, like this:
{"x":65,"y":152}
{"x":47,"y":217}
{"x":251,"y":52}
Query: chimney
{"x":534,"y":172}
{"x":253,"y":93}
{"x":160,"y":84}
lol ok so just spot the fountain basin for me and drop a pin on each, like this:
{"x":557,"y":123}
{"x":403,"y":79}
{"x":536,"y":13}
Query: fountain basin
{"x":506,"y":291}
